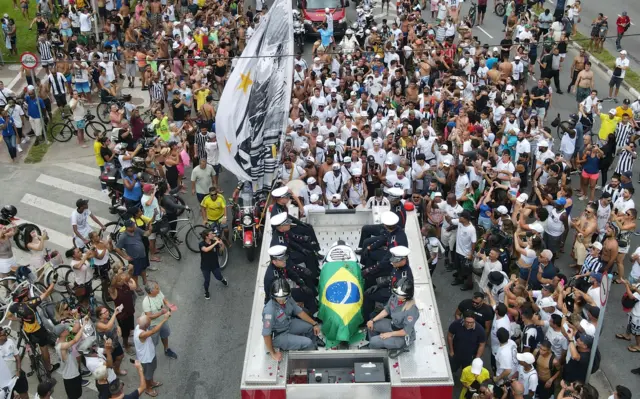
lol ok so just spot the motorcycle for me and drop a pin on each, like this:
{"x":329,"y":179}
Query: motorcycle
{"x":246,"y":222}
{"x":298,"y":32}
{"x":368,"y":15}
{"x":359,"y":30}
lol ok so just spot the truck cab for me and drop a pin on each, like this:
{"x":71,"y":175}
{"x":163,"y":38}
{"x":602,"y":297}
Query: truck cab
{"x":423,"y":372}
{"x":313,"y":15}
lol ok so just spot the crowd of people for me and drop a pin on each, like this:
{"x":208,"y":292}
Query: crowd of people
{"x":418,"y":112}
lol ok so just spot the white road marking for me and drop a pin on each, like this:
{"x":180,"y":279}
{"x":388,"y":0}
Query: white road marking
{"x":81,"y":191}
{"x":54,"y":207}
{"x":55,"y":237}
{"x":77,"y":167}
{"x":485,"y":32}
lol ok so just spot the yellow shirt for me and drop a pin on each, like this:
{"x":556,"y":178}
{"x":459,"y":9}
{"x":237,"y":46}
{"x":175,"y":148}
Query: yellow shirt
{"x":198,"y":38}
{"x":620,"y":112}
{"x":201,"y":3}
{"x":96,"y":150}
{"x":201,"y":97}
{"x":215,"y":209}
{"x":608,"y":126}
{"x":141,"y":222}
{"x":468,"y":378}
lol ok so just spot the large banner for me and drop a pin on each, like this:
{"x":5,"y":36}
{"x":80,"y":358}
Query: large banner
{"x":254,"y":106}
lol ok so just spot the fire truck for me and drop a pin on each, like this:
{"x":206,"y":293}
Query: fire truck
{"x":420,"y":373}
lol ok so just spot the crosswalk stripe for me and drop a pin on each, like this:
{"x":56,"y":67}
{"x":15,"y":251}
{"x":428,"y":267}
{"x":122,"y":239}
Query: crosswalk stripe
{"x":78,"y":167}
{"x":54,"y":207}
{"x":81,"y":191}
{"x":55,"y":237}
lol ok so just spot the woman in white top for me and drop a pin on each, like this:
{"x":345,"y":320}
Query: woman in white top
{"x":35,"y":244}
{"x":83,"y":273}
{"x":7,"y":261}
{"x":529,"y":249}
{"x":101,"y":250}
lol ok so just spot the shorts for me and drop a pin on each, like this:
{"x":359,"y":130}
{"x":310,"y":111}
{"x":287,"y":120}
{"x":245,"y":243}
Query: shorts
{"x":615,"y":81}
{"x":623,"y":250}
{"x":139,"y":265}
{"x":165,"y":332}
{"x":152,"y":236}
{"x":117,"y":351}
{"x":80,"y":124}
{"x":148,"y":369}
{"x":542,"y":111}
{"x":22,"y":385}
{"x":448,"y":238}
{"x":482,"y":9}
{"x":47,"y":62}
{"x":83,"y":87}
{"x":66,"y":32}
{"x":592,"y":176}
{"x":41,"y":337}
{"x":579,"y":252}
{"x":217,"y":168}
{"x":131,"y":70}
{"x":61,"y":100}
{"x":73,"y":387}
{"x":634,"y":325}
{"x":567,"y":156}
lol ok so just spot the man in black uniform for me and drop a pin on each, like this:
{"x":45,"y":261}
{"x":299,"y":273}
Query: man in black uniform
{"x":281,"y":267}
{"x":300,"y":247}
{"x":381,"y":291}
{"x":373,"y":230}
{"x":282,"y":197}
{"x":376,"y":256}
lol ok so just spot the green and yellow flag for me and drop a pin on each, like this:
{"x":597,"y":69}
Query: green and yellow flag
{"x":341,"y":296}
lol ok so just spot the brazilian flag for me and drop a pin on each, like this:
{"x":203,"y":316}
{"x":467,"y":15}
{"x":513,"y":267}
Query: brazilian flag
{"x":341,"y":296}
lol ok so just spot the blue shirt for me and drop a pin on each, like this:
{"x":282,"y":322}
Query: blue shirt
{"x":549,"y":272}
{"x":135,"y":193}
{"x":32,"y":107}
{"x":8,"y":131}
{"x":325,"y":36}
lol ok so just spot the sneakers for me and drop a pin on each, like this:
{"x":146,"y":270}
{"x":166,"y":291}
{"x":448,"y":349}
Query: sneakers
{"x":85,"y":373}
{"x":225,"y":282}
{"x":85,"y":383}
{"x":171,"y":354}
{"x":207,"y":296}
{"x":25,"y":140}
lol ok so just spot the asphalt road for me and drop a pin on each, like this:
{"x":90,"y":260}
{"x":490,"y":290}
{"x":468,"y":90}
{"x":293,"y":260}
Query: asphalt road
{"x":209,"y":336}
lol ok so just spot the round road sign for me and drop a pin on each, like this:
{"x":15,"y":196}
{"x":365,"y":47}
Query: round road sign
{"x":604,"y":289}
{"x":29,"y":60}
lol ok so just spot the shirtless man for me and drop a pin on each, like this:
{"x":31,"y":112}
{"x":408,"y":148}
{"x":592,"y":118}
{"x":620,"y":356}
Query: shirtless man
{"x":298,"y":92}
{"x":130,"y":65}
{"x":64,"y":67}
{"x":45,"y":94}
{"x":586,"y":226}
{"x":155,"y":9}
{"x":494,"y":74}
{"x":584,"y":83}
{"x":576,"y":67}
{"x":610,"y":247}
{"x":506,"y":67}
{"x":412,"y":93}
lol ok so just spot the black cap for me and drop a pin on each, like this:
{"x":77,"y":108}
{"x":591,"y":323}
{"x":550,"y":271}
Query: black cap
{"x":496,"y":278}
{"x":626,"y":101}
{"x":465,"y":214}
{"x":129,"y":223}
{"x":594,"y":311}
{"x":623,"y":392}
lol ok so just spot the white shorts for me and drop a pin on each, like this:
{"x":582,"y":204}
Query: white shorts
{"x":6,"y":264}
{"x":448,"y":238}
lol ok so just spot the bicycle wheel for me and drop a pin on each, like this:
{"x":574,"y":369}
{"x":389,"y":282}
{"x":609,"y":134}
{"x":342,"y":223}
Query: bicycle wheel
{"x":113,"y":230}
{"x":7,"y":285}
{"x":101,"y":293}
{"x":500,"y":10}
{"x":60,"y":273}
{"x":223,"y":257}
{"x":102,"y":111}
{"x":171,"y":247}
{"x":61,"y":132}
{"x":116,"y":261}
{"x":37,"y":365}
{"x":94,"y":129}
{"x":194,"y":236}
{"x":25,"y":230}
{"x":69,"y":279}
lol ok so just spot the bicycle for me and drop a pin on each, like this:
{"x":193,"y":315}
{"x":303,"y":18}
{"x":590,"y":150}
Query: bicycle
{"x":63,"y":131}
{"x":32,"y":350}
{"x":113,"y":228}
{"x":500,"y":9}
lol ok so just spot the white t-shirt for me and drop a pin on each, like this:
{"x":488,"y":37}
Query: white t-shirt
{"x":451,"y":211}
{"x":465,"y":238}
{"x":211,"y":148}
{"x":529,"y":379}
{"x":497,"y":324}
{"x":85,"y":22}
{"x":622,"y":63}
{"x":94,"y":362}
{"x":17,"y":116}
{"x":8,"y":351}
{"x":558,"y":342}
{"x":506,"y":358}
{"x":145,"y":351}
{"x":82,"y":275}
{"x":462,"y":182}
{"x":635,"y":269}
{"x":594,"y":293}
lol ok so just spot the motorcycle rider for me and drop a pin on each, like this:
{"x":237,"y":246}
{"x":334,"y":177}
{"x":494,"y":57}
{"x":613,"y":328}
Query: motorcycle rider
{"x":282,"y":267}
{"x":349,"y":43}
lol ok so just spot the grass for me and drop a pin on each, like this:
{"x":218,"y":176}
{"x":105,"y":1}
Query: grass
{"x":37,"y":152}
{"x":631,"y":77}
{"x":26,"y":39}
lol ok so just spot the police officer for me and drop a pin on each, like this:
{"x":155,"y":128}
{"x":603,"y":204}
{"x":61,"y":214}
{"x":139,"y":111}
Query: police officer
{"x":298,"y":245}
{"x":381,"y":291}
{"x":376,"y":256}
{"x":398,"y":332}
{"x":281,"y":267}
{"x":281,"y":329}
{"x":282,"y":196}
{"x":373,"y":230}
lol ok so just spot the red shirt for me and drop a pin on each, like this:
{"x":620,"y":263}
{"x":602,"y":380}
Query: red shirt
{"x":621,"y":21}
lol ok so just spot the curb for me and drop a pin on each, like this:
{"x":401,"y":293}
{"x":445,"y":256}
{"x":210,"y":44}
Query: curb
{"x":594,"y":61}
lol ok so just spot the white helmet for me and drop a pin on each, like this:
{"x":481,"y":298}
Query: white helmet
{"x":326,"y":10}
{"x":296,"y":24}
{"x":359,"y":11}
{"x":366,"y":8}
{"x":368,"y":32}
{"x":354,"y":26}
{"x":349,"y":32}
{"x":296,"y":14}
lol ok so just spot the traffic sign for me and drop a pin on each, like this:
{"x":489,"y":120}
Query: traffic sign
{"x":604,"y":289}
{"x":29,"y":60}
